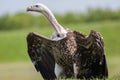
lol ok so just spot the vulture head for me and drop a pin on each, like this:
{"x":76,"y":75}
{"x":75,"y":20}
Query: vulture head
{"x":37,"y":8}
{"x":60,"y":32}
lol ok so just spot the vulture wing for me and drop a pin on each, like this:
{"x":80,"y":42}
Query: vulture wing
{"x":41,"y":55}
{"x":90,"y":55}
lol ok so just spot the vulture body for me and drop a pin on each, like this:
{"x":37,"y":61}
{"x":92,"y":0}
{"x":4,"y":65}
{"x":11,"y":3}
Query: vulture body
{"x":68,"y":54}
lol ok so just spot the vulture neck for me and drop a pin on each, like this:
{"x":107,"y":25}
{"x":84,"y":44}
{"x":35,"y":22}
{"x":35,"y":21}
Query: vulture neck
{"x":59,"y":29}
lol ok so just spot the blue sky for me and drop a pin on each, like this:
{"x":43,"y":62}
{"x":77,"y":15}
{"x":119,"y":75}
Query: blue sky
{"x":58,"y":6}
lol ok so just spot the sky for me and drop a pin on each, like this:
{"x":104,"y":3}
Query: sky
{"x":57,"y":6}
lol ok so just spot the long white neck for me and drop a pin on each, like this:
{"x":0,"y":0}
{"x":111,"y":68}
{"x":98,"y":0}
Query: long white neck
{"x":59,"y":29}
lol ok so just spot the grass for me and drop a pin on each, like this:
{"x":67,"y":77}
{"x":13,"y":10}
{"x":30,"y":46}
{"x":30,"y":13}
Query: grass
{"x":18,"y":71}
{"x":13,"y":48}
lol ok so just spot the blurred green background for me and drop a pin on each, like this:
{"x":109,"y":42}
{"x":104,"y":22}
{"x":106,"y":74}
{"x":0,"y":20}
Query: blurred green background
{"x":14,"y":60}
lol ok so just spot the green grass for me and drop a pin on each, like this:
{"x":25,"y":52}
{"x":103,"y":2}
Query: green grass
{"x":13,"y":46}
{"x":19,"y":71}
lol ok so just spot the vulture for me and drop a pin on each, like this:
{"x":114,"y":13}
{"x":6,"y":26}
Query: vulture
{"x":67,"y":54}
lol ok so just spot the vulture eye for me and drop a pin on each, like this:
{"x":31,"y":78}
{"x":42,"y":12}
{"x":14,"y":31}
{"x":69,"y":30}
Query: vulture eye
{"x":36,"y":6}
{"x":58,"y":35}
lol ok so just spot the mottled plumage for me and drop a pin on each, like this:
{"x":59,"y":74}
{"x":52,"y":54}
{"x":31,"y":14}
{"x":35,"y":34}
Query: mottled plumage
{"x":86,"y":52}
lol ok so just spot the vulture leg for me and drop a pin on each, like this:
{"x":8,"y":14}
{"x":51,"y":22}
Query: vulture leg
{"x":41,"y":55}
{"x":90,"y":57}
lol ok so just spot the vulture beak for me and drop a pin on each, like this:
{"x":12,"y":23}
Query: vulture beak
{"x":29,"y":9}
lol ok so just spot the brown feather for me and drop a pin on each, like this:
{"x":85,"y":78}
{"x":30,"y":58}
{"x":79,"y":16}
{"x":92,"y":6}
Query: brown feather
{"x":86,"y":52}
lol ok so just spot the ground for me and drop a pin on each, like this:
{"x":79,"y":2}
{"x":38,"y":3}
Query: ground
{"x":19,"y":71}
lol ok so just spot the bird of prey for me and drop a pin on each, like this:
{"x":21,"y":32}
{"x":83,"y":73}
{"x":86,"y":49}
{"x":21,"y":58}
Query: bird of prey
{"x":67,"y":54}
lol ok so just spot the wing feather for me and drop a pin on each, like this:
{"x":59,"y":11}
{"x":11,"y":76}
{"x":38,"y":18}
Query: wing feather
{"x":41,"y":56}
{"x":91,"y":57}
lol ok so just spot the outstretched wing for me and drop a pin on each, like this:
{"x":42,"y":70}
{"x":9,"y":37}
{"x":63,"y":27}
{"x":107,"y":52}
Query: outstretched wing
{"x":40,"y":53}
{"x":91,"y":55}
